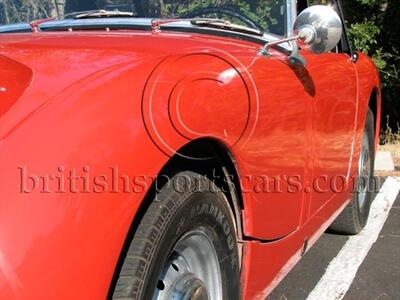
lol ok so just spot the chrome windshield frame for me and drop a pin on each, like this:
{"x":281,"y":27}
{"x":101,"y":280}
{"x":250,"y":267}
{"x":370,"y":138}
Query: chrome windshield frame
{"x":291,"y":15}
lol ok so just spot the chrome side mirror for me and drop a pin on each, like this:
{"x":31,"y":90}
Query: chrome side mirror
{"x":317,"y":28}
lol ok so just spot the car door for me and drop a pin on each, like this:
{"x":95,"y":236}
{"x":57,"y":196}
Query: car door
{"x":334,"y":118}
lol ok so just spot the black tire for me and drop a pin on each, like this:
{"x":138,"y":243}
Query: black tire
{"x":355,"y":215}
{"x":185,"y":205}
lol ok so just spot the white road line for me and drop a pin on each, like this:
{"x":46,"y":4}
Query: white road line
{"x":343,"y":268}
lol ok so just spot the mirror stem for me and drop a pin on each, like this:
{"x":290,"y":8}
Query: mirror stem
{"x":264,"y":50}
{"x":295,"y":57}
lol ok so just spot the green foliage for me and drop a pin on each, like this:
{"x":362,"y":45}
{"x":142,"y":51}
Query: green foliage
{"x":364,"y":35}
{"x":374,"y":28}
{"x":14,"y":11}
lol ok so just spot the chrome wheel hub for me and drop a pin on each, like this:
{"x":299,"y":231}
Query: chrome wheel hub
{"x":188,"y":286}
{"x":191,"y":271}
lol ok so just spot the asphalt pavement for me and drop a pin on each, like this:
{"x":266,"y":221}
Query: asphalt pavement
{"x":377,"y":277}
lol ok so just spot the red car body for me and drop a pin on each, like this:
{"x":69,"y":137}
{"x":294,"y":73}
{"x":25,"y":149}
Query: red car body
{"x":122,"y":103}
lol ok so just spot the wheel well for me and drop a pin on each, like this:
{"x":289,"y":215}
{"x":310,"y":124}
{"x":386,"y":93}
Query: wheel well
{"x":212,"y":160}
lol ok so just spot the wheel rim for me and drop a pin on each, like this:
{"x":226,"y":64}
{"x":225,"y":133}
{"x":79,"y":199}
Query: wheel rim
{"x":364,"y":172}
{"x":191,"y":271}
